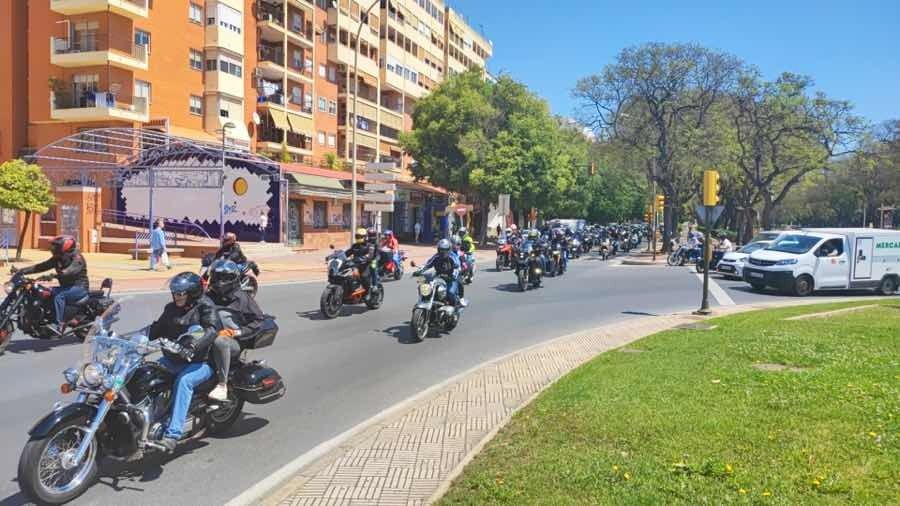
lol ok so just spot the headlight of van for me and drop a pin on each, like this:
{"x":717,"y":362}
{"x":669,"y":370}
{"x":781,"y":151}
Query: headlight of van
{"x":787,"y":261}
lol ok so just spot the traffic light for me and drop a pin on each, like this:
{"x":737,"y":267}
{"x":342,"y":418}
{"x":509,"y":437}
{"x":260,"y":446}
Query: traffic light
{"x":660,"y":202}
{"x":710,"y":187}
{"x":592,"y":169}
{"x":647,"y":217}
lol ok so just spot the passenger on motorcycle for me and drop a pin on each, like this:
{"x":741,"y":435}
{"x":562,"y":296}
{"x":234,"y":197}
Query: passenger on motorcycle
{"x":225,"y":291}
{"x":363,"y":252}
{"x":447,"y":266}
{"x":71,"y":272}
{"x":188,"y":307}
{"x":389,"y":242}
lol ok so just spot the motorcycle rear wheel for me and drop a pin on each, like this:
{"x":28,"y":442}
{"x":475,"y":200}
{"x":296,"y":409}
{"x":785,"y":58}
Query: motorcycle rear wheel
{"x":332,"y":301}
{"x":227,"y":415}
{"x":6,"y":336}
{"x":48,"y":453}
{"x":418,"y":324}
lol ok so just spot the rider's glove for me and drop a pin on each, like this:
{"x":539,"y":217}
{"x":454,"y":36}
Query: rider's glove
{"x":229,"y":333}
{"x":186,"y":353}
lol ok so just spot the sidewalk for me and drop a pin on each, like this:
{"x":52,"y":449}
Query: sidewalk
{"x":130,"y":275}
{"x":410,"y":454}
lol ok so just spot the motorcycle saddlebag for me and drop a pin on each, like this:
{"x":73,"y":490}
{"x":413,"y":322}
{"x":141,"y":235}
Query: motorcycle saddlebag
{"x":263,"y":337}
{"x":258,"y":384}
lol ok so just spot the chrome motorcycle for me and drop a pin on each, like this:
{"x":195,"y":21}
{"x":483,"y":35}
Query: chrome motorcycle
{"x":433,"y":310}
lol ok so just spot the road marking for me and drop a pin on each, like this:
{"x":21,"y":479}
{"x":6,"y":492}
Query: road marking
{"x":723,"y":298}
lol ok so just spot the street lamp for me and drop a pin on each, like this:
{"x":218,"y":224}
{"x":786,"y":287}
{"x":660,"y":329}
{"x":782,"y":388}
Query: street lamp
{"x":362,"y":20}
{"x":224,"y":131}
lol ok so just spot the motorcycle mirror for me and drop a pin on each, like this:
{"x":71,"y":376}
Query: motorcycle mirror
{"x":413,"y":264}
{"x":194,"y":332}
{"x":331,"y":246}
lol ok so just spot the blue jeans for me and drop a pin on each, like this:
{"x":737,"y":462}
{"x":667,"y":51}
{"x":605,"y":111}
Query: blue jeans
{"x":189,"y":375}
{"x":63,"y":296}
{"x":453,"y":290}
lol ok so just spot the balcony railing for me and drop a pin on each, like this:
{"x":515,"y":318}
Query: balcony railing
{"x":303,"y":29}
{"x":274,"y":98}
{"x":82,"y":43}
{"x":268,"y":12}
{"x":89,"y":104}
{"x":271,"y":54}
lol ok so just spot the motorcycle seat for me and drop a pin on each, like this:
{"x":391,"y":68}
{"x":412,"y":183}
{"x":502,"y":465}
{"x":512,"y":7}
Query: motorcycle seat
{"x":96,"y":293}
{"x":82,"y":300}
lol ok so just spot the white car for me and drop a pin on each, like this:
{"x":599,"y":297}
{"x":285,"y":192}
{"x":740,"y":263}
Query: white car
{"x":732,"y":264}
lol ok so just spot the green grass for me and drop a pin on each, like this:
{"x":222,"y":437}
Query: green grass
{"x":690,"y":421}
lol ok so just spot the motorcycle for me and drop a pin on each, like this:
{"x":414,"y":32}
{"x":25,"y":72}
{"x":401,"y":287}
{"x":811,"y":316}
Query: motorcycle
{"x":556,"y":267}
{"x":29,"y":306}
{"x":390,"y":264}
{"x":605,"y":249}
{"x":504,"y":255}
{"x":123,"y":404}
{"x":345,"y":287}
{"x":249,"y":272}
{"x":434,"y":309}
{"x":713,"y":262}
{"x":528,"y":267}
{"x":467,"y":263}
{"x":682,"y":255}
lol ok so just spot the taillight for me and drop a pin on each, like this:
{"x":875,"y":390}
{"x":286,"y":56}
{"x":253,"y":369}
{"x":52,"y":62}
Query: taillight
{"x":268,"y":382}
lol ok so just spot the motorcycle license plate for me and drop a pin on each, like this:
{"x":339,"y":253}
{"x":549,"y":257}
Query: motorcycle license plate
{"x":756,"y":275}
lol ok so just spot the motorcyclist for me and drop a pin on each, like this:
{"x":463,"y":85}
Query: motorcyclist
{"x":456,"y":251}
{"x":447,"y":266}
{"x":389,"y":242}
{"x":71,"y":272}
{"x":231,"y":250}
{"x":189,"y":307}
{"x":363,"y":252}
{"x":225,"y":291}
{"x":468,"y":249}
{"x":560,"y":241}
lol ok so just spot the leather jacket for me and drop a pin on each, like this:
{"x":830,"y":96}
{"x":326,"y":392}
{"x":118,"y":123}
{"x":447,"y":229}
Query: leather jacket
{"x":175,"y":321}
{"x":71,"y":270}
{"x":232,"y":253}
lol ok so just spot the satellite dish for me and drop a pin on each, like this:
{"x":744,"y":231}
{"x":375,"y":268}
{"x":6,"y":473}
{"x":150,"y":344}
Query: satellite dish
{"x":256,"y":119}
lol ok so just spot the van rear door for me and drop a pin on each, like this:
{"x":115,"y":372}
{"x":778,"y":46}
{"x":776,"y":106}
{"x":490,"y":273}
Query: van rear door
{"x":862,"y":268}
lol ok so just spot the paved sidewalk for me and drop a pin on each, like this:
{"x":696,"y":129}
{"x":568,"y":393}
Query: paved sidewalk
{"x":410,"y":454}
{"x":135,"y":275}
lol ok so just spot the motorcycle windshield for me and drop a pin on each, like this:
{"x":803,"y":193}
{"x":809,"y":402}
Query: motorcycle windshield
{"x":101,"y":327}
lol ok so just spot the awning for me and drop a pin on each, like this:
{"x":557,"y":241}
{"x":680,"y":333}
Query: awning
{"x":300,"y":124}
{"x":365,"y":110}
{"x":391,"y":121}
{"x":316,"y":181}
{"x":279,"y":118}
{"x":363,"y":139}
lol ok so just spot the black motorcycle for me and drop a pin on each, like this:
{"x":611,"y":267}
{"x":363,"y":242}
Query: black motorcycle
{"x":529,"y":270}
{"x":433,"y":310}
{"x":123,"y":407}
{"x":556,"y":267}
{"x":249,"y":273}
{"x":29,"y":306}
{"x":345,"y":287}
{"x":713,"y":262}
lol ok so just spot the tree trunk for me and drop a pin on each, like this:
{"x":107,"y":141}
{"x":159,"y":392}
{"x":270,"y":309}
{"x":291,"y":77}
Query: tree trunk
{"x":765,"y":219}
{"x":22,"y":236}
{"x":482,"y":232}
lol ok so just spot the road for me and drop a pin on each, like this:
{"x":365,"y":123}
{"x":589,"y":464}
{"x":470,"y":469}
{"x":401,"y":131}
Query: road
{"x":339,"y":372}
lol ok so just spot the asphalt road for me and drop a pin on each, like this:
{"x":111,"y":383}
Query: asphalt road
{"x":338,"y":372}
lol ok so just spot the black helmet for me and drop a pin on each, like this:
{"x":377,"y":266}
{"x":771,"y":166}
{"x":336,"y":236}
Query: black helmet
{"x":462,"y":232}
{"x":225,"y":277}
{"x":62,"y":245}
{"x":443,"y":248}
{"x":372,"y":235}
{"x":188,"y":283}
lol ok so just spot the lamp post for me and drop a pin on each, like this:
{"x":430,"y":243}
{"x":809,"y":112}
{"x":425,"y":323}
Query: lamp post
{"x":224,"y":131}
{"x":362,"y":20}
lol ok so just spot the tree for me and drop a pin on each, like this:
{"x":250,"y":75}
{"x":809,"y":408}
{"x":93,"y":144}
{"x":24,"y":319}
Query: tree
{"x":24,"y":186}
{"x":784,"y":134}
{"x":650,"y":98}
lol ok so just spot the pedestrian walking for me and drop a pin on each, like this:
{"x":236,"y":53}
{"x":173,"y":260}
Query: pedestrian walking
{"x":263,"y":224}
{"x":417,"y":228}
{"x":158,"y":252}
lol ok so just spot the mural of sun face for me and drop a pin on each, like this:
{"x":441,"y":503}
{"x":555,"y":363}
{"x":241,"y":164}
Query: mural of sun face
{"x":240,"y":186}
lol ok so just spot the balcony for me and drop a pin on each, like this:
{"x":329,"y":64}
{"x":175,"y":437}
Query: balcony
{"x":271,"y":62}
{"x":301,"y":32}
{"x":97,"y":106}
{"x":134,"y":9}
{"x":270,"y":20}
{"x":88,"y":50}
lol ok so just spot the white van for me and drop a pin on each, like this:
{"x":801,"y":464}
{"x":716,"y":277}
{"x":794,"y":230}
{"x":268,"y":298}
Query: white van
{"x":812,"y":259}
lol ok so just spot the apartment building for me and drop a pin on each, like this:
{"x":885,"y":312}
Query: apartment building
{"x":278,"y":73}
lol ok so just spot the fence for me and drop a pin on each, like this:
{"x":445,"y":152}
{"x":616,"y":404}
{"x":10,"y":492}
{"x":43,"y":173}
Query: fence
{"x":142,"y":241}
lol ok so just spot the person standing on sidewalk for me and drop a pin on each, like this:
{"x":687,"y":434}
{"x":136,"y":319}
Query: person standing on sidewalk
{"x":158,"y":251}
{"x":417,"y":228}
{"x":263,"y":225}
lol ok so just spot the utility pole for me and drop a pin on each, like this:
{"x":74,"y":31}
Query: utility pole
{"x":363,"y":20}
{"x":225,"y":128}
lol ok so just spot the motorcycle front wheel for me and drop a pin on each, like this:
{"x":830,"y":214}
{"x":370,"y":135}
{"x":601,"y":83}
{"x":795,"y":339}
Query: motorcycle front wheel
{"x":418,"y":324}
{"x":332,"y":301}
{"x":522,"y":280}
{"x":43,"y":475}
{"x":6,"y":336}
{"x":672,"y":259}
{"x":373,"y":301}
{"x":499,"y":264}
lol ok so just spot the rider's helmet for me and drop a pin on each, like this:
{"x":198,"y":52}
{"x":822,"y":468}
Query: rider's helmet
{"x":186,"y":283}
{"x":372,"y":235}
{"x":62,"y":245}
{"x":360,"y":236}
{"x":388,"y":234}
{"x":462,"y":232}
{"x":455,"y":242}
{"x":533,"y":235}
{"x":443,"y":248}
{"x":229,"y":239}
{"x":225,"y":277}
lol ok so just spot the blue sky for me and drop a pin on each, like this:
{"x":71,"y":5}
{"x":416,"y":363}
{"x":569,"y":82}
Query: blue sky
{"x":850,"y":48}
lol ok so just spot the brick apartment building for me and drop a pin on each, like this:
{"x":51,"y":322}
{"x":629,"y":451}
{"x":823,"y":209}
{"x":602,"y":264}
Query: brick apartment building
{"x":279,"y":71}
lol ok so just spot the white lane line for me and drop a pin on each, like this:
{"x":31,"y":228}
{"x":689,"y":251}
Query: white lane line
{"x":723,"y":298}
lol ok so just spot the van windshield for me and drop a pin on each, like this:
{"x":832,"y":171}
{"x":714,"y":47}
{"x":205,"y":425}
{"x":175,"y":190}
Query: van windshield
{"x":794,"y":243}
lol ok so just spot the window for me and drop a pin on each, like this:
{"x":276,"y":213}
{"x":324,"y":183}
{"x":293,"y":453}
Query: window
{"x":297,"y":95}
{"x":323,"y":104}
{"x":322,"y":70}
{"x":142,"y":38}
{"x":832,"y":248}
{"x":332,"y":107}
{"x":228,"y":17}
{"x":142,"y":90}
{"x":195,"y":13}
{"x":346,"y":213}
{"x":321,"y":138}
{"x":297,"y":58}
{"x":196,"y":105}
{"x":196,"y":59}
{"x":332,"y":74}
{"x":308,"y":102}
{"x":230,"y":66}
{"x":331,"y":140}
{"x":320,"y":215}
{"x":211,"y":65}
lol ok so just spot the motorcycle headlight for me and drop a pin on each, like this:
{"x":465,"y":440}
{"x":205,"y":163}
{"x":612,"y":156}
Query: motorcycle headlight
{"x":92,"y":375}
{"x":8,"y":287}
{"x":537,"y":270}
{"x":425,"y":290}
{"x":441,"y":292}
{"x":107,"y":357}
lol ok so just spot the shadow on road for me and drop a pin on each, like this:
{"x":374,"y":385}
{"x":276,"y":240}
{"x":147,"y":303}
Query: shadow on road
{"x":639,"y":313}
{"x":244,"y":427}
{"x":120,"y":476}
{"x":25,"y":344}
{"x":508,"y":287}
{"x":316,"y":315}
{"x":402,"y":333}
{"x":17,"y":499}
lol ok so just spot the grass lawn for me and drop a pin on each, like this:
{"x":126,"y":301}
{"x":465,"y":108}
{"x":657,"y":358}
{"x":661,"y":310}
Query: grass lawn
{"x":711,"y":417}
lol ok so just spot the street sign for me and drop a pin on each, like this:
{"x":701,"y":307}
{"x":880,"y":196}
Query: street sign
{"x":379,"y":197}
{"x":378,"y":207}
{"x":372,"y":166}
{"x":381,"y":187}
{"x":714,"y":213}
{"x":378,"y":176}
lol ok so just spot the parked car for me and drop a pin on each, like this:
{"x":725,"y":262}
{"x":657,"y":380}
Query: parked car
{"x":732,"y":264}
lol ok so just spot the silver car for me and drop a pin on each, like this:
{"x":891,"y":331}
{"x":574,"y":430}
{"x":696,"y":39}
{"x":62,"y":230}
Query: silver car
{"x":732,"y":264}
